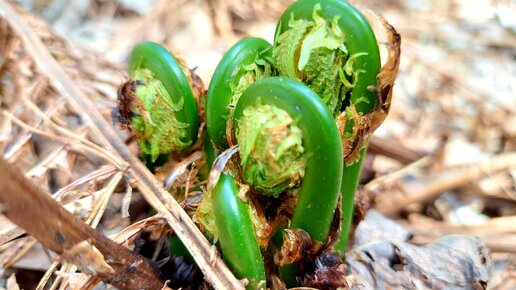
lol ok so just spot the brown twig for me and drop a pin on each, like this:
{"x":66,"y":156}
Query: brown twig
{"x":394,"y":150}
{"x":428,"y":187}
{"x":492,"y":226}
{"x":395,"y":176}
{"x":61,"y":232}
{"x":499,"y":234}
{"x":214,"y":269}
{"x":8,"y":231}
{"x":23,"y":249}
{"x":155,"y":226}
{"x":500,"y":244}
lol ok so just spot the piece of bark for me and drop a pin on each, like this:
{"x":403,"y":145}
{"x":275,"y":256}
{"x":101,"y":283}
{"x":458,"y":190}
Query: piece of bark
{"x":65,"y":234}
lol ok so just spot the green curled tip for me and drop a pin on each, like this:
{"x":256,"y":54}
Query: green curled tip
{"x":331,"y":47}
{"x":159,"y":104}
{"x":247,"y":61}
{"x":319,"y":189}
{"x":343,"y":75}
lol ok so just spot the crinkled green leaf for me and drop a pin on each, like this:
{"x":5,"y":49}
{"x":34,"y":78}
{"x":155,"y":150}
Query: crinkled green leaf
{"x":315,"y":52}
{"x":157,"y":129}
{"x":271,"y":149}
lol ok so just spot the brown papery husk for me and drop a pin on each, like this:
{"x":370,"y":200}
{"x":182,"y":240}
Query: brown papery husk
{"x":385,"y":83}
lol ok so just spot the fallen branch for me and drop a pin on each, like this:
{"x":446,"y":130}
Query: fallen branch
{"x":65,"y":234}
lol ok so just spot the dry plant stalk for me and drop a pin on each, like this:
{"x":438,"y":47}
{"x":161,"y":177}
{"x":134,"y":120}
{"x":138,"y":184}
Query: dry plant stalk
{"x":77,"y":243}
{"x":430,"y":186}
{"x":155,"y":225}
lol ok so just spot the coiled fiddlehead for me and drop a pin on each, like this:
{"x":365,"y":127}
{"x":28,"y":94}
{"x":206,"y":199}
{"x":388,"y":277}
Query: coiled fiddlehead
{"x":158,"y":104}
{"x":331,"y":47}
{"x":246,"y":62}
{"x":319,"y":188}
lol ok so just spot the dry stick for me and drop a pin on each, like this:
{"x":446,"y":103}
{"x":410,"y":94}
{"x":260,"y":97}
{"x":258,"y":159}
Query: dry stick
{"x":492,"y":226}
{"x":394,"y":150}
{"x":395,"y":176}
{"x":62,"y":232}
{"x":430,"y":186}
{"x":214,"y":269}
{"x":8,"y":230}
{"x":499,"y":234}
{"x":20,"y":252}
{"x":498,"y":244}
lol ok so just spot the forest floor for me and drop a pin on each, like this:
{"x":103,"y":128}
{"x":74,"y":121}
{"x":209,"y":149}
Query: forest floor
{"x":443,"y":162}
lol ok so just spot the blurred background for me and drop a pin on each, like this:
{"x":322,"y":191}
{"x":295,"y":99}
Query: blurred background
{"x":444,"y":160}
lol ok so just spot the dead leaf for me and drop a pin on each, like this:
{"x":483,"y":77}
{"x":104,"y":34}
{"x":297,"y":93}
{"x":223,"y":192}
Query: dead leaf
{"x":297,"y":245}
{"x":385,"y":260}
{"x":367,"y":124}
{"x":330,"y":273}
